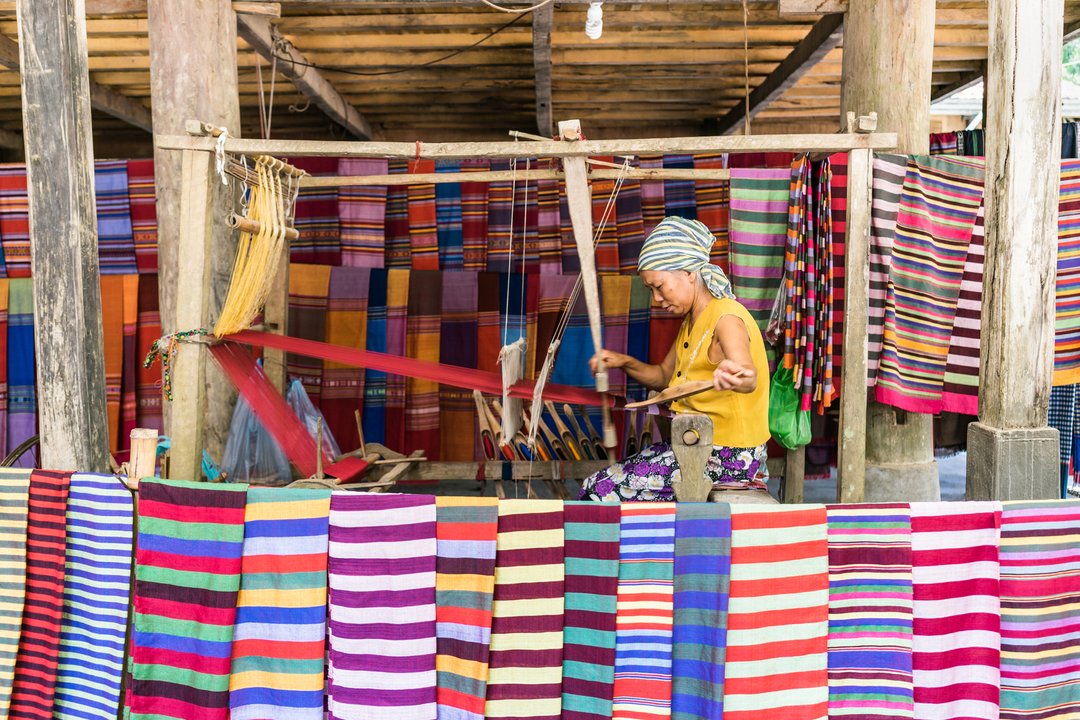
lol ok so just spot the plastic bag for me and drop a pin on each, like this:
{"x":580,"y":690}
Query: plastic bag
{"x":789,"y":425}
{"x":251,"y":454}
{"x":309,"y":415}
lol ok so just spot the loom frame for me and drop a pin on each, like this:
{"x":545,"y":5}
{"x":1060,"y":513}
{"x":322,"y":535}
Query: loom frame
{"x":198,"y":180}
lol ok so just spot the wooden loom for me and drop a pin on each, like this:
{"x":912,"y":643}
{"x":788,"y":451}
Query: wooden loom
{"x":197,"y":221}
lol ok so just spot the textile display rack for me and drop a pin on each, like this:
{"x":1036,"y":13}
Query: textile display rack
{"x":197,"y":219}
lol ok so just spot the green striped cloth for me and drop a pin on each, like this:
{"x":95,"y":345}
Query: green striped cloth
{"x":759,"y":220}
{"x":591,"y":539}
{"x":14,"y":497}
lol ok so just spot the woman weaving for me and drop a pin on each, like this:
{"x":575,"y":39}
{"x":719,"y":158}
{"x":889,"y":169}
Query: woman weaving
{"x":718,"y":340}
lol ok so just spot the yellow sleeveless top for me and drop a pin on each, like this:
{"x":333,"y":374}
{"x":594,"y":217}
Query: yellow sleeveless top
{"x":739,"y":419}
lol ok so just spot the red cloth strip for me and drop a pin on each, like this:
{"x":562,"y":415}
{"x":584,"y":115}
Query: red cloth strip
{"x":486,"y":382}
{"x":276,"y":415}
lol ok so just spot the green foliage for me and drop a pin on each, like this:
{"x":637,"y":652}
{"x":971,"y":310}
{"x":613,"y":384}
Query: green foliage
{"x":1070,"y":57}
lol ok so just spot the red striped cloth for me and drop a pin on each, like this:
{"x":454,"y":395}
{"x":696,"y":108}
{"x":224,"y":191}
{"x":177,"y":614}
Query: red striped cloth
{"x":309,"y":288}
{"x":423,"y":237}
{"x":548,"y":233}
{"x":422,"y":343}
{"x":500,"y":220}
{"x":713,"y":208}
{"x":526,"y":223}
{"x":143,"y":201}
{"x":317,"y":218}
{"x":778,"y":614}
{"x":112,"y":320}
{"x":398,"y":243}
{"x":525,"y":662}
{"x":607,"y":246}
{"x":474,"y":217}
{"x":957,"y":610}
{"x":15,"y":220}
{"x":839,"y":163}
{"x":488,"y":321}
{"x":33,"y":691}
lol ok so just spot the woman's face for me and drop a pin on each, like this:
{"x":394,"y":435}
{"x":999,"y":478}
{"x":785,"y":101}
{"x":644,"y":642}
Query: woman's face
{"x":673,"y":290}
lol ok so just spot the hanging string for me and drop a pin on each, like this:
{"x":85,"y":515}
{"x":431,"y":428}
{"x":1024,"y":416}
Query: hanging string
{"x":524,"y":241}
{"x":746,"y":63}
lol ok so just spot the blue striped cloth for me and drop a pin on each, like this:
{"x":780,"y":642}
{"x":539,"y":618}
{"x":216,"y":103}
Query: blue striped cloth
{"x":375,"y":381}
{"x":97,"y":594}
{"x":448,"y":219}
{"x":699,"y":641}
{"x":680,"y":196}
{"x":116,"y":241}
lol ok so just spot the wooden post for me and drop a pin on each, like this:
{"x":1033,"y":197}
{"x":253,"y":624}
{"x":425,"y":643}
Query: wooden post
{"x":887,"y":68}
{"x":143,"y":459}
{"x":795,"y":476}
{"x":1012,"y":454}
{"x":276,"y":317}
{"x":63,"y":228}
{"x":193,"y":75}
{"x":692,"y":443}
{"x":188,"y":425}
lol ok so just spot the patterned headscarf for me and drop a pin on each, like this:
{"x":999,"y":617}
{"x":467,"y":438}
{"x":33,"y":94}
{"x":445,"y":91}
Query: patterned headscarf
{"x":681,"y":244}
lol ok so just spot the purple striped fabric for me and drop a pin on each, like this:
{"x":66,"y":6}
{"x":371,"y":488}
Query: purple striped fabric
{"x":652,"y":197}
{"x":889,"y":171}
{"x":960,"y":392}
{"x":398,"y":249}
{"x":382,"y":607}
{"x":363,"y":214}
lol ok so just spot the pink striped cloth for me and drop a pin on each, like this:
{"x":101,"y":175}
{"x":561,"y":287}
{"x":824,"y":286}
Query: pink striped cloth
{"x":956,"y":648}
{"x":889,"y":173}
{"x":960,"y":392}
{"x":363,"y":214}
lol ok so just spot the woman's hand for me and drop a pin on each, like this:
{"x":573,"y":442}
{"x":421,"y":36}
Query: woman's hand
{"x":611,"y":360}
{"x":730,"y":375}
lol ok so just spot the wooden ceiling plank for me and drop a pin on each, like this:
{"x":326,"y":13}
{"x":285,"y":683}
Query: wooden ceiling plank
{"x":541,"y":29}
{"x":309,"y":81}
{"x":825,"y":35}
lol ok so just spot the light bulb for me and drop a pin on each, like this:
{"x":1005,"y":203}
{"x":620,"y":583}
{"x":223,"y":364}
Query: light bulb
{"x":594,"y":21}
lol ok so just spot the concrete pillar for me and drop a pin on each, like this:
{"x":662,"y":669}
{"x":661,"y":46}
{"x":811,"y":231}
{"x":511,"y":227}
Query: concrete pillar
{"x":193,"y":75}
{"x":888,"y":62}
{"x":1012,"y":454}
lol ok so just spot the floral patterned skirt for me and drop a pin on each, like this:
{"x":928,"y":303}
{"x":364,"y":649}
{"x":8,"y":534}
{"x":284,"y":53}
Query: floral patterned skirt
{"x":649,"y":474}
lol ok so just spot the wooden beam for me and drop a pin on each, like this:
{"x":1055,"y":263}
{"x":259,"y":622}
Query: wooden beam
{"x":811,"y":7}
{"x":541,"y":28}
{"x":102,"y":98}
{"x":827,"y":33}
{"x":70,"y":352}
{"x":291,"y":63}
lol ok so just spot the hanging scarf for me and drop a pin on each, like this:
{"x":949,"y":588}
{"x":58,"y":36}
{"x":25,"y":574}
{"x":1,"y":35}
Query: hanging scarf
{"x":681,"y":244}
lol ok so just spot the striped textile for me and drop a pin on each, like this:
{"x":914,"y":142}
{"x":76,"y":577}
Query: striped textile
{"x":527,"y":255}
{"x":971,"y":143}
{"x":187,"y":576}
{"x":279,"y":644}
{"x":702,"y":576}
{"x":643,"y":633}
{"x":1061,"y":416}
{"x":397,"y":322}
{"x":938,"y":207}
{"x":548,"y":226}
{"x":423,"y":343}
{"x":112,"y":322}
{"x":525,"y":663}
{"x":889,"y":172}
{"x":309,"y":290}
{"x":630,"y":227}
{"x":957,"y":641}
{"x":346,"y":326}
{"x":592,"y":580}
{"x":474,"y":217}
{"x":382,"y":606}
{"x":637,"y":344}
{"x":362,"y":214}
{"x":15,"y":220}
{"x":576,"y":344}
{"x":97,"y":594}
{"x":448,"y":218}
{"x":777,"y":614}
{"x":838,"y":163}
{"x":317,"y":216}
{"x":1040,"y":584}
{"x":457,"y":347}
{"x":713,"y":207}
{"x":490,"y":294}
{"x":943,"y":143}
{"x":663,"y":329}
{"x":1067,"y":324}
{"x":960,"y":386}
{"x":652,"y":197}
{"x":607,"y":244}
{"x":4,"y":283}
{"x":500,"y":221}
{"x":132,"y":361}
{"x":571,"y":263}
{"x":821,"y":372}
{"x":679,"y":195}
{"x":143,"y":201}
{"x":423,"y":223}
{"x":14,"y":499}
{"x":22,"y":393}
{"x":759,"y":214}
{"x":465,"y":534}
{"x":615,"y":307}
{"x":375,"y":381}
{"x":398,"y":244}
{"x":148,"y":413}
{"x":33,"y":690}
{"x":116,"y":243}
{"x":870,"y":605}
